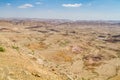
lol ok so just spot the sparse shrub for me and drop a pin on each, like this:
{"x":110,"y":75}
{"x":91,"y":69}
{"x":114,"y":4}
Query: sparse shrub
{"x":2,"y":49}
{"x":118,"y":54}
{"x":64,"y":42}
{"x":33,"y":52}
{"x":84,"y":79}
{"x":15,"y":47}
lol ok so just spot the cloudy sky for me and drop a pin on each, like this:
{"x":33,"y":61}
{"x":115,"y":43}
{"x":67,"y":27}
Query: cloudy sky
{"x":61,"y":9}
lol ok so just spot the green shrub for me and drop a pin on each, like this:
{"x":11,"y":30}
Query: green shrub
{"x":2,"y":49}
{"x":15,"y":47}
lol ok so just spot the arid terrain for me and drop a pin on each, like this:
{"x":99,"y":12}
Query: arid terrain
{"x":33,"y":49}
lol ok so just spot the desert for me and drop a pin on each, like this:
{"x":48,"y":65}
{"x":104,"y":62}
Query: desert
{"x":33,"y":49}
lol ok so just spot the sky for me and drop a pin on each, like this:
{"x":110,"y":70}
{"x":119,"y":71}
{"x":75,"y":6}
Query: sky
{"x":61,"y":9}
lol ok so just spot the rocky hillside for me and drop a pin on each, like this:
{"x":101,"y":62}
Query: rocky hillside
{"x":59,"y":50}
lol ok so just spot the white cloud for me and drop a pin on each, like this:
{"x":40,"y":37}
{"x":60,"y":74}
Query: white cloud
{"x":72,"y":5}
{"x":38,"y":3}
{"x":8,"y":4}
{"x":26,"y":6}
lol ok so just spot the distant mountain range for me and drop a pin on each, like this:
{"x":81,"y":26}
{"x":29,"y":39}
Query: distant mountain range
{"x":64,"y":21}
